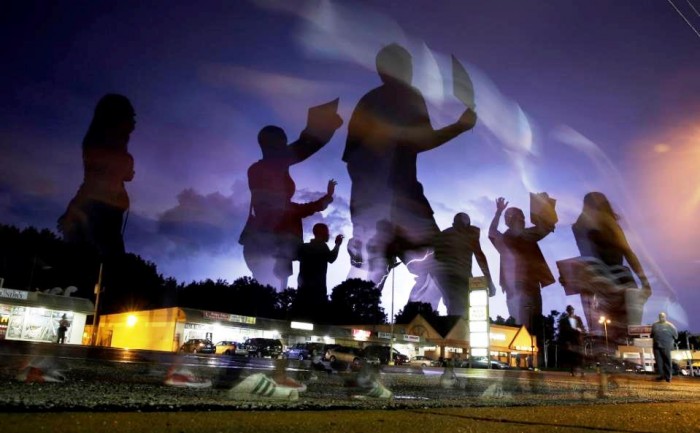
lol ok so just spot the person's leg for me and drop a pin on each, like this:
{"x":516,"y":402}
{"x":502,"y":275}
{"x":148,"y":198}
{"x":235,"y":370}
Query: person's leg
{"x":668,"y":367}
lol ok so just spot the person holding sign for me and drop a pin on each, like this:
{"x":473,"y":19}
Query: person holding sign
{"x":273,"y":232}
{"x":524,"y":271}
{"x":389,"y":128}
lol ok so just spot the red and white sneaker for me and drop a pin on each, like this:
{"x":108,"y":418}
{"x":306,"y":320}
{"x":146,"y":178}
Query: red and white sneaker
{"x":32,"y":374}
{"x":289,"y":383}
{"x":186,"y":379}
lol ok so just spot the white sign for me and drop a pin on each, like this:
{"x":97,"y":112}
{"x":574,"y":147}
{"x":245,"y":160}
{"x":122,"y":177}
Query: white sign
{"x":14,"y":294}
{"x":384,"y":335}
{"x":411,"y":338}
{"x":477,"y":313}
{"x":302,"y":325}
{"x":478,"y":283}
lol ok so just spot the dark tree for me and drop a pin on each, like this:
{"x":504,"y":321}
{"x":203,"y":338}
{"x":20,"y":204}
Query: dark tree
{"x":285,"y":302}
{"x":412,"y":309}
{"x":356,"y":301}
{"x":510,"y":321}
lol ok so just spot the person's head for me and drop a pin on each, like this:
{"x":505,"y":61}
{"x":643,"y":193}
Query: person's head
{"x":321,"y":232}
{"x":598,"y":202}
{"x":662,"y":317}
{"x":273,"y":141}
{"x":514,"y":218}
{"x":64,"y":316}
{"x":461,"y":221}
{"x":114,"y":118}
{"x":570,"y":309}
{"x":394,"y":65}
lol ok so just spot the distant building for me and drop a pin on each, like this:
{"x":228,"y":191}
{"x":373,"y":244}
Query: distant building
{"x":34,"y":316}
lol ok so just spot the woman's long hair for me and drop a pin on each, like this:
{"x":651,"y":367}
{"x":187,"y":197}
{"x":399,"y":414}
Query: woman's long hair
{"x":111,"y":111}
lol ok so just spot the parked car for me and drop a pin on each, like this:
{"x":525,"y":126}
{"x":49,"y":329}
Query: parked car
{"x":263,"y":347}
{"x":616,"y":365}
{"x":483,"y":362}
{"x":197,"y":345}
{"x":382,"y":352}
{"x":421,"y":361}
{"x":300,"y":351}
{"x":226,"y":348}
{"x":350,"y":355}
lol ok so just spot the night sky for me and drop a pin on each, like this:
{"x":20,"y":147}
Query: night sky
{"x":572,"y":97}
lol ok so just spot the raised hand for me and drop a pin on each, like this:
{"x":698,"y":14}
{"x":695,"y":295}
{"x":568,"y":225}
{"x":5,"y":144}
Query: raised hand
{"x":331,"y":187}
{"x":501,"y":204}
{"x":468,"y":119}
{"x":339,"y":239}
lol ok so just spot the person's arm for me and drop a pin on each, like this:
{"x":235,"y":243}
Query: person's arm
{"x":333,"y":255}
{"x":307,"y":209}
{"x":423,"y":137}
{"x":631,"y":258}
{"x":501,"y":205}
{"x":484,"y":266}
{"x":310,"y":142}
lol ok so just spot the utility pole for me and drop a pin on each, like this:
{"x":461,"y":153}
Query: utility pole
{"x":95,"y":317}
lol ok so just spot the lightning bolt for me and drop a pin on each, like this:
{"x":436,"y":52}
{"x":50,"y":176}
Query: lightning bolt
{"x":391,"y":266}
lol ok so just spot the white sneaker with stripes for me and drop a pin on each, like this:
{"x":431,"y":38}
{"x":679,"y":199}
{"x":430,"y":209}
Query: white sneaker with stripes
{"x":260,"y":387}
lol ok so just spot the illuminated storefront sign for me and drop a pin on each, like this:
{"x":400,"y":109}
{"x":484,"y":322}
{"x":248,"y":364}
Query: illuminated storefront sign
{"x":411,"y":338}
{"x":14,"y":294}
{"x":384,"y":335}
{"x":214,"y":315}
{"x":478,"y":311}
{"x":360,"y":334}
{"x":302,"y":325}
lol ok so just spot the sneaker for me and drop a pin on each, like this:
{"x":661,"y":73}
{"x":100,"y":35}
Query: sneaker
{"x":259,"y":386}
{"x":36,"y":375}
{"x":186,"y":379}
{"x":289,"y":382}
{"x":377,"y":390}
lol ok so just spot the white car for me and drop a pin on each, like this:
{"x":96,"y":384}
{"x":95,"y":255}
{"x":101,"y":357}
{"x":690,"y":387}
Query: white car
{"x":420,"y":361}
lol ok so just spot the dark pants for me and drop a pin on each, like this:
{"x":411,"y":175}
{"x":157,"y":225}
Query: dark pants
{"x":662,"y":357}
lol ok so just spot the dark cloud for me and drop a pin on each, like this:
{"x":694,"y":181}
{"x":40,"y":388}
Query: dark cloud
{"x":201,"y":223}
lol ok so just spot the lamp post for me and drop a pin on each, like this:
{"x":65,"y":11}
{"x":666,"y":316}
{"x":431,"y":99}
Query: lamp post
{"x":605,"y":322}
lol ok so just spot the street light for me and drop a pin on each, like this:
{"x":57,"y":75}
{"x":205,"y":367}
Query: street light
{"x":605,"y":322}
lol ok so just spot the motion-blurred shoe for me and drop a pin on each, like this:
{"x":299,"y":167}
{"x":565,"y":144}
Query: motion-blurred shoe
{"x":376,"y":390}
{"x":290,"y":383}
{"x":449,"y":380}
{"x":32,"y":374}
{"x":258,"y":386}
{"x":186,"y":379}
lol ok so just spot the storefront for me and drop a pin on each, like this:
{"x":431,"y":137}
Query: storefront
{"x":167,"y":329}
{"x":35,"y":316}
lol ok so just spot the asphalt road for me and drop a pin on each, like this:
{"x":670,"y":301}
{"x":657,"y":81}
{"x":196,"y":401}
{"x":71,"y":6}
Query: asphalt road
{"x":112,"y":390}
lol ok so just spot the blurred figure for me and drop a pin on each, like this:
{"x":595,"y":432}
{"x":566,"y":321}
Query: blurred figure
{"x":312,"y":293}
{"x":273,"y":232}
{"x":63,"y":325}
{"x":611,"y":286}
{"x":389,"y":127}
{"x":524,"y":271}
{"x":454,"y":248}
{"x":571,"y":333}
{"x":664,"y":334}
{"x":95,"y":216}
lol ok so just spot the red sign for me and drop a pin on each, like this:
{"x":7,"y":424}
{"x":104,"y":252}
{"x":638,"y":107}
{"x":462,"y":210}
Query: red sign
{"x":639,"y":329}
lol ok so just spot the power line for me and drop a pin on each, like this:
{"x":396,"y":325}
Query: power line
{"x":684,"y":18}
{"x":693,"y":7}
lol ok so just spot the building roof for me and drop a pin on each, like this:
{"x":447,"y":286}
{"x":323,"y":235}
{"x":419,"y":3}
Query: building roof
{"x":43,"y":300}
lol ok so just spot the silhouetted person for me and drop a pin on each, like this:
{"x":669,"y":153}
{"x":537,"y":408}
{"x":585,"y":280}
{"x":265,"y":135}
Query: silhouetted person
{"x":454,"y":248}
{"x":524,"y":272}
{"x":389,"y":127}
{"x":273,"y":232}
{"x":664,"y":334}
{"x":571,"y":333}
{"x":63,"y":325}
{"x":603,"y":246}
{"x":312,"y":293}
{"x":95,"y":216}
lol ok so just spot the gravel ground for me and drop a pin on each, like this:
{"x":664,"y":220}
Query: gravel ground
{"x":92,"y":385}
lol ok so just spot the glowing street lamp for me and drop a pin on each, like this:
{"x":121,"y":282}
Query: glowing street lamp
{"x":605,"y":322}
